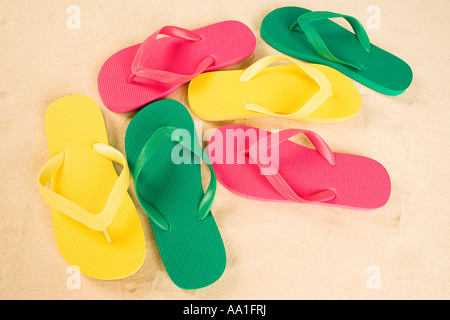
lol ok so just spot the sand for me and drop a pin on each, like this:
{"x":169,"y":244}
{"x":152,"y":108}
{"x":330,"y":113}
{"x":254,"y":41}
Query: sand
{"x":275,"y":251}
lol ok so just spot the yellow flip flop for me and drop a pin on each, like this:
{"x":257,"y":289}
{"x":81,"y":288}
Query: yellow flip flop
{"x":299,"y":91}
{"x":96,"y":224}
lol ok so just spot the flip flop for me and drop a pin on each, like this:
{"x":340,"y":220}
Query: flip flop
{"x":96,"y":225}
{"x":305,"y":92}
{"x":169,"y":189}
{"x":143,"y":73}
{"x":312,"y":37}
{"x":293,"y":173}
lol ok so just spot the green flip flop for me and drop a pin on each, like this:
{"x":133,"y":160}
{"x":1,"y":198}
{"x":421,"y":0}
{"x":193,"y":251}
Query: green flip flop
{"x":164,"y":153}
{"x":311,"y":36}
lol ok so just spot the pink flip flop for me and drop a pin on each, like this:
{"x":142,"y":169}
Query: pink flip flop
{"x":260,"y":165}
{"x":141,"y":74}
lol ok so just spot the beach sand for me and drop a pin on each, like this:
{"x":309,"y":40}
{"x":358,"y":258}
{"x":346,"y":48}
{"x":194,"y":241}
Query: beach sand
{"x":274,"y":251}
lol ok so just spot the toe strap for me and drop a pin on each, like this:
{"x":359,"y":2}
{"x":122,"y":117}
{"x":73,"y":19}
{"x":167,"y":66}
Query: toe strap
{"x":97,"y":222}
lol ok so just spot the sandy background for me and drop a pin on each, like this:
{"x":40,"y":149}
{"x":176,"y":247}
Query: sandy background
{"x":275,"y":251}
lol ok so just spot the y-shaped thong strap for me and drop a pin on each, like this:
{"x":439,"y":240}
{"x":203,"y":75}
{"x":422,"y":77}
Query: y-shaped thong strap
{"x":162,"y":135}
{"x":139,"y":68}
{"x":274,"y":177}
